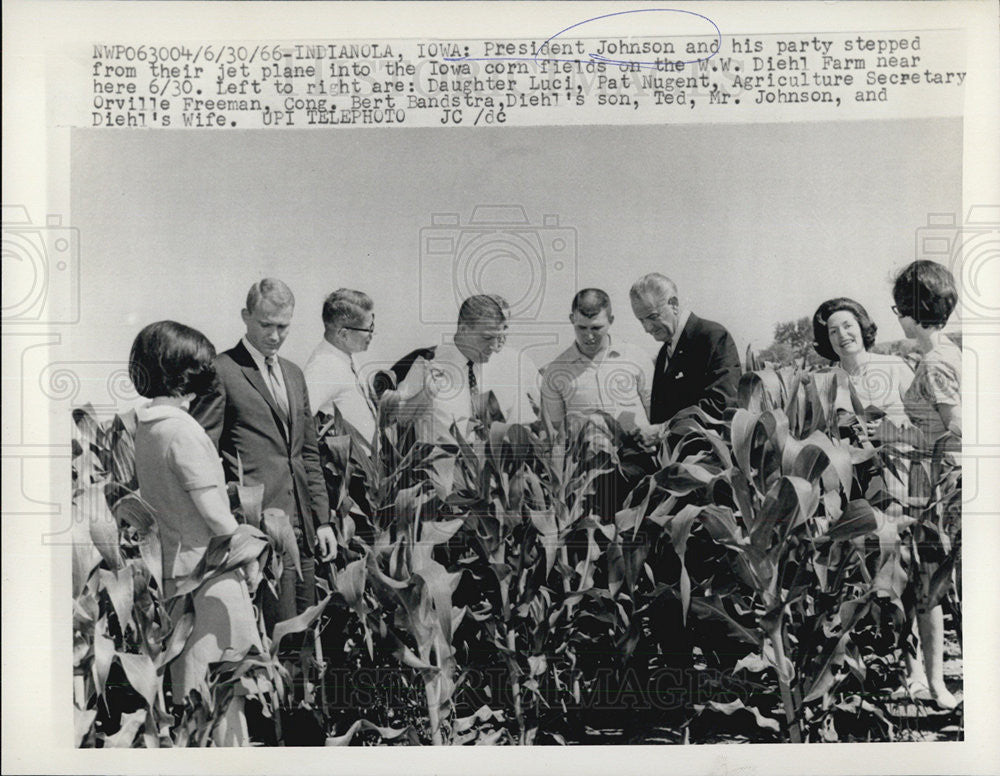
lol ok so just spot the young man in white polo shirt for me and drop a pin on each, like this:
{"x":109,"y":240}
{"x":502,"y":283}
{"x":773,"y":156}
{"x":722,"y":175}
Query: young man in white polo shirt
{"x":597,"y":373}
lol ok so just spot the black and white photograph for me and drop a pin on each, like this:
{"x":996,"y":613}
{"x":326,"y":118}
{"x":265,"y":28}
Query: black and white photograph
{"x":484,"y":407}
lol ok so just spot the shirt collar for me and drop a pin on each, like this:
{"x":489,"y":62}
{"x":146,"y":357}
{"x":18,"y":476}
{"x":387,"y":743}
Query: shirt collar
{"x":328,"y":347}
{"x":259,"y":358}
{"x":610,"y":352}
{"x":145,"y":413}
{"x":681,"y":323}
{"x":448,"y":351}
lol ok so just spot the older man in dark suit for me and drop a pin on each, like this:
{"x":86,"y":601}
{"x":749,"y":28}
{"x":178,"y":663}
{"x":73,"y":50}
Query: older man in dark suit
{"x":259,"y":417}
{"x":697,"y":365}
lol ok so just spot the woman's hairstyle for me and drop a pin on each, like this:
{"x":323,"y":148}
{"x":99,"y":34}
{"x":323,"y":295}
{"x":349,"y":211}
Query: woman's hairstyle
{"x":821,"y":335}
{"x":925,"y":291}
{"x":171,"y":359}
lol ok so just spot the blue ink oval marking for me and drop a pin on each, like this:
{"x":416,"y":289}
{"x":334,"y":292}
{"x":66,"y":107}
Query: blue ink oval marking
{"x":539,"y":56}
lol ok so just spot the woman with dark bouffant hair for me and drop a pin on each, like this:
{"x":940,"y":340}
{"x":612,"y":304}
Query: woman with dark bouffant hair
{"x":843,"y":332}
{"x":925,"y":296}
{"x":181,"y":478}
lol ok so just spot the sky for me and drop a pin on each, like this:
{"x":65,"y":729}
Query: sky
{"x":755,"y":223}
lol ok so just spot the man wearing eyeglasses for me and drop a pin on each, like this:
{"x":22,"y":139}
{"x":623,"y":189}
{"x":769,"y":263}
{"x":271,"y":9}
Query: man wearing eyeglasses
{"x":457,"y":382}
{"x":697,"y":366}
{"x":331,"y":372}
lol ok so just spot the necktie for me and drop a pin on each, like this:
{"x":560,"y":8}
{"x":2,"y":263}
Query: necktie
{"x":473,"y":385}
{"x":279,"y":395}
{"x":666,"y":354}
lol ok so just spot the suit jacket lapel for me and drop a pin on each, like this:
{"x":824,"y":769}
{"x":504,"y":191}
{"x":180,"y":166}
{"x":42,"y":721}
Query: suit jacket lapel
{"x":294,"y":410}
{"x":661,"y":359}
{"x":256,"y":379}
{"x":682,"y":341}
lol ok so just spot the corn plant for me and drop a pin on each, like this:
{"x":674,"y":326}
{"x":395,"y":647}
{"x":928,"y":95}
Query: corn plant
{"x":487,"y":586}
{"x":126,"y":632}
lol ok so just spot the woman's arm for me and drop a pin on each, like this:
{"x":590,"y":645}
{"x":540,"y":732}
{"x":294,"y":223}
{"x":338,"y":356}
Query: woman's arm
{"x":214,"y":509}
{"x":194,"y":461}
{"x":951,"y":416}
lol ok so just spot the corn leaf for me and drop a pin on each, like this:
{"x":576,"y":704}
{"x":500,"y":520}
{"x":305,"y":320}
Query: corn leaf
{"x":141,"y":674}
{"x":121,"y":591}
{"x":737,"y":705}
{"x":103,"y":528}
{"x":130,"y":725}
{"x":386,"y":733}
{"x":297,"y":624}
{"x":713,"y":608}
{"x":104,"y":653}
{"x":83,"y":719}
{"x":183,"y":625}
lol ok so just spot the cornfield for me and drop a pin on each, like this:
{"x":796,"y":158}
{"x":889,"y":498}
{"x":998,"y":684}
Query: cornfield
{"x":480,"y":596}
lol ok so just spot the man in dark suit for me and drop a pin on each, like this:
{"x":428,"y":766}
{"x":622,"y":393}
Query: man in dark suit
{"x":259,"y":417}
{"x":697,"y":366}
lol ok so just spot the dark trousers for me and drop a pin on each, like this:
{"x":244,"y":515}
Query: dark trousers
{"x":294,"y":595}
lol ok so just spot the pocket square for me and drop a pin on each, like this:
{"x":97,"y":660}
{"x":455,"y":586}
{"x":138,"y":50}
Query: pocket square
{"x":678,"y":376}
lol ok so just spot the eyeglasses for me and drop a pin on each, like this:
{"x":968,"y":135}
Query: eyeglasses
{"x":367,"y":330}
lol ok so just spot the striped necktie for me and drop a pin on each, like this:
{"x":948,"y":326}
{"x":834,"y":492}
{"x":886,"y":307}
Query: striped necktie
{"x":473,"y":386}
{"x":275,"y":384}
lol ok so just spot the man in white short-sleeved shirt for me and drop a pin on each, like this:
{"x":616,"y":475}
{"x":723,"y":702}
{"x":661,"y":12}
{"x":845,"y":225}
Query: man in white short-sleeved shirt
{"x":331,"y":372}
{"x":597,"y":373}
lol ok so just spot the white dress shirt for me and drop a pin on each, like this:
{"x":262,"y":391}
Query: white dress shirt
{"x":261,"y":361}
{"x":332,"y":379}
{"x":435,"y":394}
{"x":682,"y":321}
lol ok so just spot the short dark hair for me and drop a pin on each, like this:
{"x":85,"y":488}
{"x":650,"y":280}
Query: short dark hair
{"x":925,"y":291}
{"x":171,"y":359}
{"x":590,"y":302}
{"x":272,"y":290}
{"x":346,"y":306}
{"x":483,"y":308}
{"x":821,"y":336}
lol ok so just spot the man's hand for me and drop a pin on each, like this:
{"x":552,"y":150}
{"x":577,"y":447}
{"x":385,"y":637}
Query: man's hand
{"x":326,"y":542}
{"x":650,"y":436}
